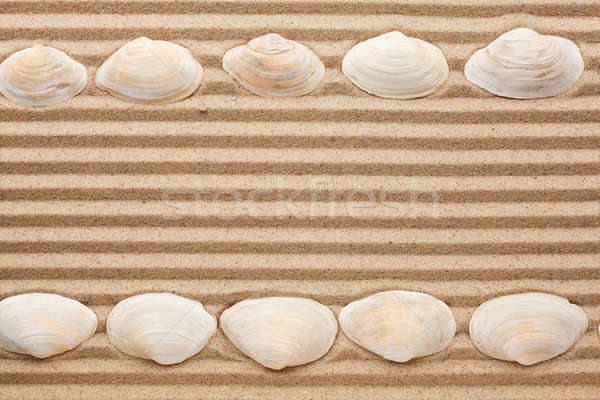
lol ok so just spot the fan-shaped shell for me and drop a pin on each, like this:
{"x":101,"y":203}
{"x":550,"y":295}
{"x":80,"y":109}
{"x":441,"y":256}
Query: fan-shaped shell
{"x":273,"y":66}
{"x":522,"y":64}
{"x":41,"y":76}
{"x":44,"y":324}
{"x":527,"y":328}
{"x":399,"y":325}
{"x":396,"y":66}
{"x":150,"y":71}
{"x":280,"y":332}
{"x":162,"y":327}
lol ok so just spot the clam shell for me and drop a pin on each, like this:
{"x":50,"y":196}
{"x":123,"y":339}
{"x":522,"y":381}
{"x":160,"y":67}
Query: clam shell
{"x":273,"y":66}
{"x":396,"y":66}
{"x":41,"y":76}
{"x":162,"y":327}
{"x":44,"y":324}
{"x":399,"y":325}
{"x":280,"y":332}
{"x":522,"y":64}
{"x":150,"y":71}
{"x":527,"y":328}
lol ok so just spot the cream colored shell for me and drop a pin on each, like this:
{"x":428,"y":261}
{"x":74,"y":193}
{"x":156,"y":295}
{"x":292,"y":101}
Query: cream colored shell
{"x":150,"y":71}
{"x":273,"y":66}
{"x":41,"y":76}
{"x":522,"y":64}
{"x":44,"y":324}
{"x":399,"y":325}
{"x":527,"y":328}
{"x":396,"y":66}
{"x":160,"y":326}
{"x":280,"y":332}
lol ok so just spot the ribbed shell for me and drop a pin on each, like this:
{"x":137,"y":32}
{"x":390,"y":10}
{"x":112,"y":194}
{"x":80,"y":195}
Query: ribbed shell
{"x":280,"y":332}
{"x":399,"y":325}
{"x":41,"y":76}
{"x":522,"y":64}
{"x":527,"y":328}
{"x":150,"y":71}
{"x":396,"y":66}
{"x":44,"y":324}
{"x":160,"y":326}
{"x":273,"y":66}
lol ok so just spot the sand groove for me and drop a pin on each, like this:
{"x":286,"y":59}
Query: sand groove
{"x":417,"y":8}
{"x":300,"y":142}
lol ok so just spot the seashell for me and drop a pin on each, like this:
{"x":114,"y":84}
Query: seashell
{"x":527,"y":328}
{"x":150,"y":71}
{"x":522,"y":64}
{"x":399,"y":325}
{"x":41,"y":76}
{"x":273,"y":66}
{"x":280,"y":332}
{"x":162,"y":327}
{"x":44,"y":324}
{"x":396,"y":66}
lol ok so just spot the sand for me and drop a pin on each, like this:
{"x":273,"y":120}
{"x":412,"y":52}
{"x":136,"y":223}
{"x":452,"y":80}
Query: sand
{"x":333,"y":196}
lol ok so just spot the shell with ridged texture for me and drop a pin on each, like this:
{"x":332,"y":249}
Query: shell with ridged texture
{"x":399,"y":325}
{"x":527,"y":328}
{"x":41,"y":76}
{"x":396,"y":66}
{"x":44,"y":324}
{"x":273,"y":66}
{"x":280,"y":332}
{"x":162,"y":327}
{"x":150,"y":71}
{"x":522,"y":64}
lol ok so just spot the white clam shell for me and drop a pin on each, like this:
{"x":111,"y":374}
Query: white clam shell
{"x":150,"y":71}
{"x":527,"y":328}
{"x":280,"y":332}
{"x":41,"y":76}
{"x":399,"y":325}
{"x":273,"y":66}
{"x":162,"y":327}
{"x":396,"y":66}
{"x":522,"y":64}
{"x":44,"y":324}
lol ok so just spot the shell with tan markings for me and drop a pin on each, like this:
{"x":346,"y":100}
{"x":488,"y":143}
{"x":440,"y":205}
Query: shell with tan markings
{"x":522,"y":64}
{"x":396,"y":66}
{"x":280,"y":332}
{"x":162,"y":327}
{"x":273,"y":66}
{"x":150,"y":71}
{"x":44,"y":324}
{"x":527,"y":328}
{"x":399,"y":325}
{"x":41,"y":76}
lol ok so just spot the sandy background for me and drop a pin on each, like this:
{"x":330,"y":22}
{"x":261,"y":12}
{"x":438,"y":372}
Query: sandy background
{"x":482,"y":196}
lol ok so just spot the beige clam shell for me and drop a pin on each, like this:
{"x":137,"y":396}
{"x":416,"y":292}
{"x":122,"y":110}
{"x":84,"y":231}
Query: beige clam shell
{"x":280,"y":332}
{"x":396,"y":66}
{"x":522,"y":64}
{"x":527,"y":328}
{"x":399,"y":325}
{"x":41,"y":76}
{"x":44,"y":324}
{"x":273,"y":66}
{"x":162,"y":327}
{"x":150,"y":71}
